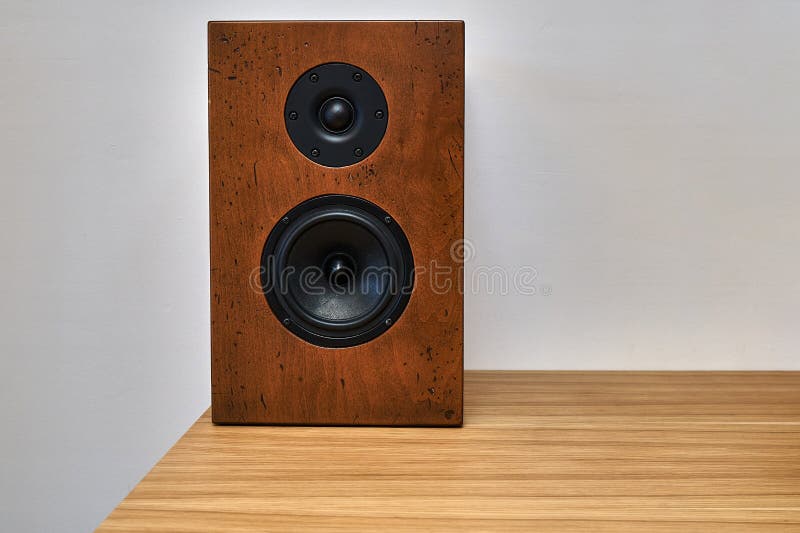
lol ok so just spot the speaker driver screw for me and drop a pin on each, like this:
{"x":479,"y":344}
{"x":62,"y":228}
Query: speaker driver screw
{"x":314,"y":77}
{"x":357,"y":76}
{"x":388,"y":322}
{"x":388,"y":220}
{"x":285,"y":220}
{"x":315,"y":152}
{"x":292,"y":115}
{"x":286,"y":321}
{"x":358,"y":152}
{"x":378,"y":114}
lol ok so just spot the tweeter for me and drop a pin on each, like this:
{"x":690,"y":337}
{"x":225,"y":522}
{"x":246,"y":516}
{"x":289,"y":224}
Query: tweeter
{"x":336,"y":114}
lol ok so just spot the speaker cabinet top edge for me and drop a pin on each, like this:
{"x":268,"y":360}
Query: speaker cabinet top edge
{"x":335,"y":22}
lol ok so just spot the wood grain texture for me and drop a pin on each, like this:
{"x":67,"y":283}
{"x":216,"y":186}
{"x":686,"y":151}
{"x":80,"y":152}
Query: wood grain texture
{"x":412,"y":374}
{"x":543,"y":451}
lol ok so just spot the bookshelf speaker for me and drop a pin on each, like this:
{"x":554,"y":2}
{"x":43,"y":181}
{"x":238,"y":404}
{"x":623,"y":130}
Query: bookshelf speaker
{"x":336,"y":210}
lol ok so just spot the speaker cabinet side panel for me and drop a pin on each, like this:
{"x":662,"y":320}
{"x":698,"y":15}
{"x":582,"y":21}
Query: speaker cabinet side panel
{"x":261,"y":373}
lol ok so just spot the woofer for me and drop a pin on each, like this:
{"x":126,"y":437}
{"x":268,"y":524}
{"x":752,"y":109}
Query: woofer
{"x":336,"y":114}
{"x":337,"y":270}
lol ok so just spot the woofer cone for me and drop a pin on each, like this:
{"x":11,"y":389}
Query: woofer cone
{"x":337,"y":270}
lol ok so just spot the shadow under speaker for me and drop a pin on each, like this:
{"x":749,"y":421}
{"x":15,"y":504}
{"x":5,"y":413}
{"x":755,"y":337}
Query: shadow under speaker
{"x":336,"y":212}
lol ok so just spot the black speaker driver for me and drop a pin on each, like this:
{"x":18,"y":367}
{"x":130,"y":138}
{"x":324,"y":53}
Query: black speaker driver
{"x":336,"y":114}
{"x":337,"y":270}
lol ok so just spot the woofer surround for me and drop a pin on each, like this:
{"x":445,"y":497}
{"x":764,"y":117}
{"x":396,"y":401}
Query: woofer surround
{"x":337,"y":270}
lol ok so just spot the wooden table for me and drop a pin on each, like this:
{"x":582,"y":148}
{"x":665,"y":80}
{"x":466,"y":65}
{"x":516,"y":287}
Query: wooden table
{"x":544,"y":451}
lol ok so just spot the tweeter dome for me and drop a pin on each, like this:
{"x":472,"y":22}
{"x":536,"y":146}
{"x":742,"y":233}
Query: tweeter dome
{"x":336,"y":198}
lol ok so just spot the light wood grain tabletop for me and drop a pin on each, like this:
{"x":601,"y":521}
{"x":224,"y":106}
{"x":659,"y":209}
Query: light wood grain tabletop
{"x":544,"y":451}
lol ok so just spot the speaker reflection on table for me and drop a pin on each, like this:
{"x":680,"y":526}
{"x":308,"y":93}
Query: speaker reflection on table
{"x":336,"y":194}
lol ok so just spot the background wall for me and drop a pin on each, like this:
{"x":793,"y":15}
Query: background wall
{"x":642,"y":156}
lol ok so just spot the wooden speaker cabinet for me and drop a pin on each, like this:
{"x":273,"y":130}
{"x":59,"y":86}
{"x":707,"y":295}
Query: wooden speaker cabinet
{"x":336,"y":210}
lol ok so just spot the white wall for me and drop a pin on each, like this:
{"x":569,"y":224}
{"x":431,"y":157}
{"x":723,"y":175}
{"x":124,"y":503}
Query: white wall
{"x":642,"y":156}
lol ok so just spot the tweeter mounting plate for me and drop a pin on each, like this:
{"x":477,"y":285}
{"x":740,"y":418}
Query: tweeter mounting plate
{"x":357,"y":95}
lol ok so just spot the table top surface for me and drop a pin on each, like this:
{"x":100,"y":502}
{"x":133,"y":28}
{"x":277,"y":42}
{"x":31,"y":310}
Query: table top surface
{"x":550,"y":451}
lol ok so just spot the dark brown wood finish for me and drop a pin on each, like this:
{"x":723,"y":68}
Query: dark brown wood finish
{"x":261,"y":373}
